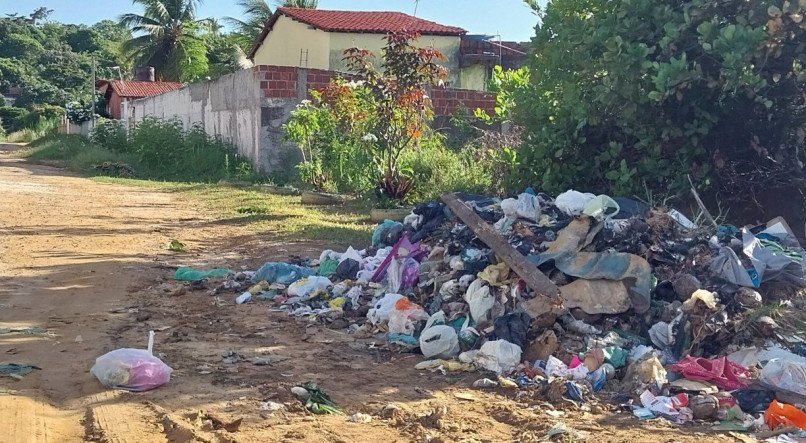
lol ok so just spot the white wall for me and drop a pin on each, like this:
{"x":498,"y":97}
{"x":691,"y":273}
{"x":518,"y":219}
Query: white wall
{"x":229,"y":107}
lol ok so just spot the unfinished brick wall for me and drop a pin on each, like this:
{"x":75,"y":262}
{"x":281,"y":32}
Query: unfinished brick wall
{"x":289,"y":82}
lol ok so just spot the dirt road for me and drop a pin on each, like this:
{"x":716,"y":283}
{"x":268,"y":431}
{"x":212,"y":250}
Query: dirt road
{"x":86,"y":262}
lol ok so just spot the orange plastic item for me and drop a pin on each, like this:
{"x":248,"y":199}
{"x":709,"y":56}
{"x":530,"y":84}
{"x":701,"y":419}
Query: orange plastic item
{"x":778,"y":414}
{"x":405,"y":304}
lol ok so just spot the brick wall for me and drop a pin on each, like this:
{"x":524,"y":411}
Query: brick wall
{"x":289,"y":82}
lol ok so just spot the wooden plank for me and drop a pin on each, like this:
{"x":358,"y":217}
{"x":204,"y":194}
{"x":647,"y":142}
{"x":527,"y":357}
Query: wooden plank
{"x":527,"y":271}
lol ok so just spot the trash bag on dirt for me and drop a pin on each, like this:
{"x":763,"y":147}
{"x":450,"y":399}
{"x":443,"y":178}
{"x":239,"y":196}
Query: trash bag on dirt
{"x":404,"y":315}
{"x":184,"y":273}
{"x":129,"y":369}
{"x":439,"y":341}
{"x":282,"y":273}
{"x":306,"y":286}
{"x":379,"y":313}
{"x":719,"y":371}
{"x":498,"y":356}
{"x":480,"y":300}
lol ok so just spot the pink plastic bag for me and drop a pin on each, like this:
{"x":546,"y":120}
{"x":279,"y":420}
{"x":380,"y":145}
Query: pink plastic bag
{"x":722,"y":372}
{"x":131,"y":370}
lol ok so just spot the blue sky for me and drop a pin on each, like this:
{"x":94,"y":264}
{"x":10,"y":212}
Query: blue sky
{"x":511,"y":18}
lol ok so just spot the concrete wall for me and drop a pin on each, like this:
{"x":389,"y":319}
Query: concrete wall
{"x":229,"y":107}
{"x":289,"y":39}
{"x":248,"y":108}
{"x":447,"y":45}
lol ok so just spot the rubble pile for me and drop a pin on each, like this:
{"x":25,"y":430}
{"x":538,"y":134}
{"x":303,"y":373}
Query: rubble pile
{"x":580,"y":298}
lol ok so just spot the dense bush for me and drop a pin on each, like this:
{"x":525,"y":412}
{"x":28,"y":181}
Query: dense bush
{"x":628,"y":93}
{"x":332,"y":131}
{"x":164,"y":150}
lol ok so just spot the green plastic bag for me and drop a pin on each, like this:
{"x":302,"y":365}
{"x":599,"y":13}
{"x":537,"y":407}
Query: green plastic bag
{"x":185,"y":273}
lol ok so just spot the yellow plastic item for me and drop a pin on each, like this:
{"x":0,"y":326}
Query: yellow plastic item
{"x":337,"y":303}
{"x":258,"y":288}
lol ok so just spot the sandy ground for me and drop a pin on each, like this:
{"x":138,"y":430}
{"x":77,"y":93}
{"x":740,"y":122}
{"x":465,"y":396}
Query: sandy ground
{"x":87,"y":262}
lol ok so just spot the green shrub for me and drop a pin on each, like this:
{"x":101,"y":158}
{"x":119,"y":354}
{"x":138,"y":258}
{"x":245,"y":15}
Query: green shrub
{"x":111,"y":134}
{"x":628,"y":93}
{"x":437,"y":169}
{"x":9,"y":115}
{"x":86,"y":160}
{"x":164,"y":150}
{"x":57,"y":147}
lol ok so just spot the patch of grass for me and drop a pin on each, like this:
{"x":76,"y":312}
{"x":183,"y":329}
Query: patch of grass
{"x":282,"y":217}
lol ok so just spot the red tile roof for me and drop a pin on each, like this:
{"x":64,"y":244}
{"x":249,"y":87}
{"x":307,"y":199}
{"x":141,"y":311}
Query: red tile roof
{"x":136,"y":89}
{"x":368,"y":22}
{"x":375,"y":22}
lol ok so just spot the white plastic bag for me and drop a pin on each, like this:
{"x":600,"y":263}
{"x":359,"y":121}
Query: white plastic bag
{"x":480,"y":300}
{"x":498,"y":356}
{"x":382,"y":308}
{"x":785,"y":375}
{"x":528,"y":207}
{"x":572,"y":202}
{"x":403,"y":316}
{"x":601,"y":207}
{"x":510,"y":208}
{"x":439,"y":341}
{"x":307,"y":285}
{"x":131,"y":369}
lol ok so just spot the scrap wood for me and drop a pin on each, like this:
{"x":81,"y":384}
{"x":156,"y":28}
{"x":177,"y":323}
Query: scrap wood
{"x":534,"y":279}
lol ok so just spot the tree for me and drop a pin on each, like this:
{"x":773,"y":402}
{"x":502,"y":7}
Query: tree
{"x":256,"y":13}
{"x":39,"y":14}
{"x":307,"y":4}
{"x":625,"y":94}
{"x":168,"y":39}
{"x":402,"y":107}
{"x":83,"y":39}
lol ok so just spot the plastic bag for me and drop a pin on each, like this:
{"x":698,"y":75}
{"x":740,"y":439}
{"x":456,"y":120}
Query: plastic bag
{"x":403,"y":316}
{"x":783,"y":414}
{"x":510,"y":208}
{"x":185,"y":273}
{"x":785,"y":376}
{"x":601,"y":207}
{"x":720,"y":371}
{"x":308,"y":285}
{"x":528,"y":207}
{"x":131,"y":369}
{"x":439,"y":341}
{"x":282,"y":273}
{"x":382,"y":308}
{"x":480,"y":300}
{"x":572,"y":202}
{"x":498,"y":356}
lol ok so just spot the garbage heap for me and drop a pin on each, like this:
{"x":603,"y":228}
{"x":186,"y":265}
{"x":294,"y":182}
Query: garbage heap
{"x":579,"y":298}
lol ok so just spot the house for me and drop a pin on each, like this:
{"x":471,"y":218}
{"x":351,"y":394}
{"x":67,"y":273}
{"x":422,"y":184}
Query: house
{"x":119,"y":92}
{"x":317,"y":39}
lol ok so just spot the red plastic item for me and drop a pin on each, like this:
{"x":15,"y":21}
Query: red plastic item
{"x":722,"y":372}
{"x":778,"y":414}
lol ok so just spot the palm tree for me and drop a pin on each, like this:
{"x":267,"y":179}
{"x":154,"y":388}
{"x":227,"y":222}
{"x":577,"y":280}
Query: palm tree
{"x":256,"y":14}
{"x":307,"y":4}
{"x":167,"y":38}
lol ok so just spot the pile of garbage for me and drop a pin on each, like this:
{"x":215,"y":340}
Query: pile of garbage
{"x":576,"y":298}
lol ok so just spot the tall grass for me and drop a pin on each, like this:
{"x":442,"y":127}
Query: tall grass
{"x":26,"y":135}
{"x":154,"y":149}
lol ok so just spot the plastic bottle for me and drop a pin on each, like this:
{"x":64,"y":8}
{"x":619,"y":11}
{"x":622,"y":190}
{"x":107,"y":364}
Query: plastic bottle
{"x":256,"y":289}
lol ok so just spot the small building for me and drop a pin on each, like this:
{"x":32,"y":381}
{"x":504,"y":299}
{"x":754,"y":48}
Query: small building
{"x":119,"y":92}
{"x":317,"y":39}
